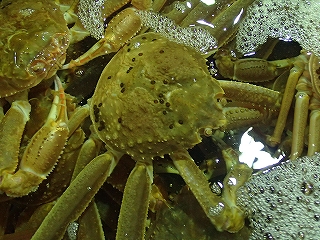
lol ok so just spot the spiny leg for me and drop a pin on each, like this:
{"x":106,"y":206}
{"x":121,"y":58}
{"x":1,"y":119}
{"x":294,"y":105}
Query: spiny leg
{"x":249,"y":104}
{"x":42,"y":152}
{"x":11,"y":129}
{"x":119,"y":30}
{"x":222,"y":212}
{"x":135,"y":202}
{"x":77,"y":196}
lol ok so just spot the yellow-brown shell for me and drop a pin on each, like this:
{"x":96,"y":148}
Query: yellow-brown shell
{"x":33,"y":40}
{"x":155,"y":97}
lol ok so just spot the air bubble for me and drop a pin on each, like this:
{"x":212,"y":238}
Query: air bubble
{"x":194,"y":37}
{"x":307,"y":188}
{"x":284,"y":216}
{"x":215,"y":211}
{"x":72,"y":230}
{"x":295,"y":19}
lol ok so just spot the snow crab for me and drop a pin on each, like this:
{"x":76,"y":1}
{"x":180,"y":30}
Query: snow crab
{"x":303,"y":83}
{"x":150,"y":79}
{"x":174,"y":117}
{"x":32,"y":52}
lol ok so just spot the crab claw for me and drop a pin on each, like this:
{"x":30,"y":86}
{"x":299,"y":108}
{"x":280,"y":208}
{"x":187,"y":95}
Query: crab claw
{"x":120,"y":30}
{"x":41,"y":154}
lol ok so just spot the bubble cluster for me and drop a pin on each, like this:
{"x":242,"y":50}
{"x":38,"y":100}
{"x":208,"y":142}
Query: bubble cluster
{"x":72,"y":230}
{"x":89,"y":13}
{"x":283,"y":202}
{"x":195,"y":37}
{"x":296,"y":20}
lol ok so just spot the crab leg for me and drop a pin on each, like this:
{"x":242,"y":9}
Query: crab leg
{"x":41,"y":153}
{"x":223,"y":213}
{"x":245,"y":92}
{"x":314,"y":127}
{"x":89,"y":222}
{"x":11,"y":130}
{"x":314,"y":130}
{"x":135,"y":202}
{"x":77,"y":197}
{"x":122,"y":28}
{"x":300,"y":120}
{"x":225,"y":27}
{"x":289,"y":91}
{"x":253,"y":104}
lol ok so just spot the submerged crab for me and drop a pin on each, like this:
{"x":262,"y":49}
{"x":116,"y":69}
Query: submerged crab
{"x":176,"y":105}
{"x":159,"y":101}
{"x":33,"y":42}
{"x":30,"y":50}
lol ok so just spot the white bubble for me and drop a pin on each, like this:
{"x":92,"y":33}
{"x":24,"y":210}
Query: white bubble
{"x":288,"y":194}
{"x":296,"y":20}
{"x":89,"y":13}
{"x":194,"y":37}
{"x":216,"y":210}
{"x":72,"y":230}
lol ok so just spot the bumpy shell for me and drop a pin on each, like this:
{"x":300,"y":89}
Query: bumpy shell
{"x":155,"y":97}
{"x":33,"y":42}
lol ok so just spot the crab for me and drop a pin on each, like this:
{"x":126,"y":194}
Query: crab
{"x":39,"y":50}
{"x":303,"y":82}
{"x":158,"y":81}
{"x":169,"y":128}
{"x":32,"y":52}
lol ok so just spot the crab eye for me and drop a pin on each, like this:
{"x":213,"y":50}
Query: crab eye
{"x":38,"y":67}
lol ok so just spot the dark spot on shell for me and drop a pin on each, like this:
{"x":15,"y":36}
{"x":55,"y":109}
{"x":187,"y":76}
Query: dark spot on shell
{"x":167,"y":104}
{"x":152,"y":81}
{"x":153,"y":39}
{"x":122,"y":90}
{"x":165,"y":82}
{"x":161,"y":51}
{"x":156,"y":101}
{"x":171,"y":126}
{"x":144,"y":38}
{"x":96,"y":113}
{"x":102,"y":126}
{"x":133,"y":59}
{"x":121,"y":85}
{"x":100,"y":104}
{"x":129,"y":49}
{"x":129,"y":69}
{"x":140,"y":54}
{"x":120,"y":120}
{"x":160,"y":95}
{"x":109,"y":77}
{"x":180,"y":122}
{"x":161,"y":101}
{"x":164,"y":112}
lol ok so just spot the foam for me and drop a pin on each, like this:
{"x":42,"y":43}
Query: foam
{"x":296,"y":20}
{"x":283,"y":202}
{"x":194,"y":37}
{"x":89,"y":13}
